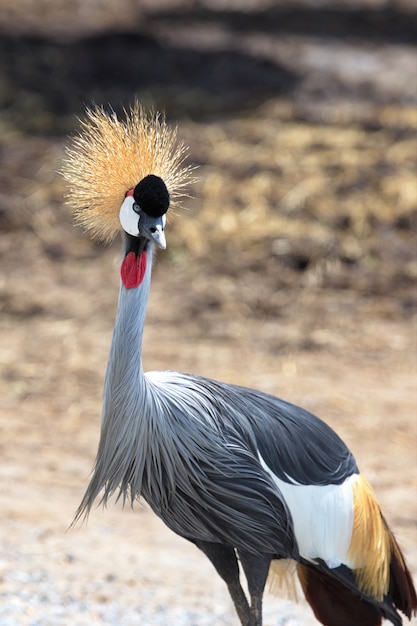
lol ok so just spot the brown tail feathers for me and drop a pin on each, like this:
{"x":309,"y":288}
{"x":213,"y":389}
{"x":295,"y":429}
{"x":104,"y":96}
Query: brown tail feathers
{"x":401,"y":588}
{"x":337,"y":601}
{"x":333,"y":603}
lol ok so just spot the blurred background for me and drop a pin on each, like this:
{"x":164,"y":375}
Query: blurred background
{"x":293,"y":269}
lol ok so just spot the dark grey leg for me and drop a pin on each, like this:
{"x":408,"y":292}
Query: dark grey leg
{"x":225,"y":561}
{"x":256,"y":568}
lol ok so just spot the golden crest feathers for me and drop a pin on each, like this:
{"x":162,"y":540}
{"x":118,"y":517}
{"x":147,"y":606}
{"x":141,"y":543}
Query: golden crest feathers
{"x":110,"y":156}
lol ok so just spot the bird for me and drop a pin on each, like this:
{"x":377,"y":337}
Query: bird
{"x":258,"y":484}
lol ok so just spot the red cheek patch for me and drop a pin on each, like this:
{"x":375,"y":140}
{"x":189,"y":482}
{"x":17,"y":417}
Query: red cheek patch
{"x":133,"y":270}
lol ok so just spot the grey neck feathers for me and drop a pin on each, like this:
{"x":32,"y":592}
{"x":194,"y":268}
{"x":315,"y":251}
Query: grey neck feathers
{"x":128,"y":404}
{"x":124,"y":369}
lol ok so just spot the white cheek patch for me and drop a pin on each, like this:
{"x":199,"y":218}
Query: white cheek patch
{"x":129,"y":220}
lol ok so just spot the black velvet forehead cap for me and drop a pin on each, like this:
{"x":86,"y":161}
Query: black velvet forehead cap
{"x":152,"y":196}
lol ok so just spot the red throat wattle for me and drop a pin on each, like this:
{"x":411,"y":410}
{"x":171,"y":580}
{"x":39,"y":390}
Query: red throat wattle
{"x":133,"y":269}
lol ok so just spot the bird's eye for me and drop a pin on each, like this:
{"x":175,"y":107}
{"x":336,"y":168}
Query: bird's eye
{"x":136,"y":208}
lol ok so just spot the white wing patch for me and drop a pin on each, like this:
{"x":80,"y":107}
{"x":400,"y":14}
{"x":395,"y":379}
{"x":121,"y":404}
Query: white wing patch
{"x":322,"y":517}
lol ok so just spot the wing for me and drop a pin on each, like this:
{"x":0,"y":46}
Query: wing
{"x":313,"y":469}
{"x":296,"y":445}
{"x":334,"y":512}
{"x":272,"y":441}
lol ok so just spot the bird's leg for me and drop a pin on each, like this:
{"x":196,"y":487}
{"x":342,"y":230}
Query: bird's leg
{"x":256,"y":568}
{"x":225,"y":561}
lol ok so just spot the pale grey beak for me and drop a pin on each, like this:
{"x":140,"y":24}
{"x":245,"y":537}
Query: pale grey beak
{"x":153,"y":229}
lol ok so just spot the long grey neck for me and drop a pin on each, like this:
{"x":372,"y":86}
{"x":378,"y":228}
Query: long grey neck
{"x":124,"y":375}
{"x":127,"y":401}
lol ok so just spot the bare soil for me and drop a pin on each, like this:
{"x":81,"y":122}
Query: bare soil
{"x":292,"y":270}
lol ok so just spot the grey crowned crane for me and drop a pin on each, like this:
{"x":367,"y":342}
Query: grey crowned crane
{"x":245,"y":476}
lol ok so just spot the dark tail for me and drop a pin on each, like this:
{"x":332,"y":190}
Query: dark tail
{"x":334,"y":603}
{"x":401,"y":588}
{"x":334,"y":596}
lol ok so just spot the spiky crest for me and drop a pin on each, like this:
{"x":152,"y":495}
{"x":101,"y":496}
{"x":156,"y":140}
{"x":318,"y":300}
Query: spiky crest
{"x":110,"y":156}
